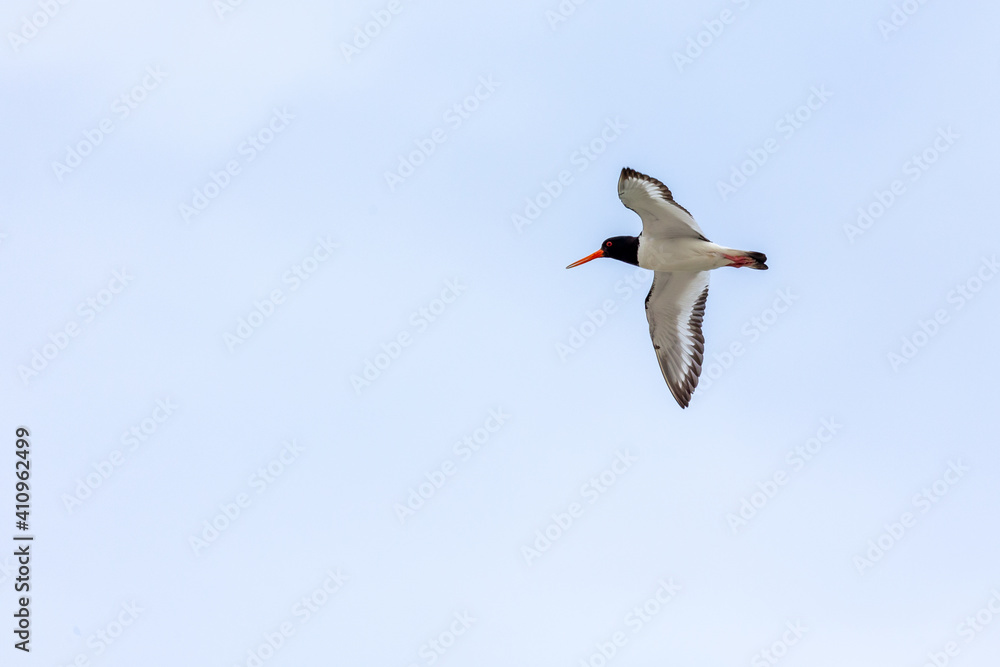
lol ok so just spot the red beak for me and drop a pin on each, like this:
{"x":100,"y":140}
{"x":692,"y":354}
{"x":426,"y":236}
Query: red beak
{"x":599,"y":253}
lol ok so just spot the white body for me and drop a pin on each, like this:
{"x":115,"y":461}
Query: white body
{"x":681,"y":254}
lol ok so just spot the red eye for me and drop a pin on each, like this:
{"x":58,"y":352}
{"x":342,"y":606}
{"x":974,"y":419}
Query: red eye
{"x":608,"y":244}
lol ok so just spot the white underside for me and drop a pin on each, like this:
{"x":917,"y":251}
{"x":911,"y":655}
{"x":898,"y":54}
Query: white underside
{"x":682,"y":254}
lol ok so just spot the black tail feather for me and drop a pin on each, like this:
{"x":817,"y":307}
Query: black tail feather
{"x":760,"y":258}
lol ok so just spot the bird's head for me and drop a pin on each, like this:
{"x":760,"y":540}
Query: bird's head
{"x":623,"y":248}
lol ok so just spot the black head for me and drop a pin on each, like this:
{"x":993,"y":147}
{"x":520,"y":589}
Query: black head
{"x":623,"y":248}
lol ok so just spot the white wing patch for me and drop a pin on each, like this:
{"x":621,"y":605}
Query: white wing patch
{"x":662,"y":217}
{"x":675,"y":308}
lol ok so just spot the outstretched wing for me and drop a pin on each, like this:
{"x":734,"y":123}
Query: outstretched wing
{"x":675,"y":308}
{"x":662,"y":217}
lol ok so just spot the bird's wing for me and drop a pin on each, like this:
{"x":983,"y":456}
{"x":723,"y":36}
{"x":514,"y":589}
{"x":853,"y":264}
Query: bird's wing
{"x":662,"y":217}
{"x":675,"y":307}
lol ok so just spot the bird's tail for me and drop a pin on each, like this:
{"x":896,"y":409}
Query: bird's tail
{"x":747,"y":258}
{"x":759,"y":260}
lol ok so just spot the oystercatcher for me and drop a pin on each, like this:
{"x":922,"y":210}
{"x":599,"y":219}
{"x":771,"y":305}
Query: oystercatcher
{"x":672,"y":245}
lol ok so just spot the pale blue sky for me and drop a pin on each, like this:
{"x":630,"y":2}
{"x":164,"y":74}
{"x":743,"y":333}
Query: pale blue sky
{"x":346,"y":264}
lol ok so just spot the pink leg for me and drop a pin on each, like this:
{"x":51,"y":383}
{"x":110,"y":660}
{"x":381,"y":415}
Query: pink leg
{"x":739,"y":260}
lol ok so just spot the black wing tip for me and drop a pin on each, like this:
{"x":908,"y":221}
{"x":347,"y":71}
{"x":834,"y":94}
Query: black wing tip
{"x":682,"y":400}
{"x":664,"y":191}
{"x":629,"y":172}
{"x":684,"y":390}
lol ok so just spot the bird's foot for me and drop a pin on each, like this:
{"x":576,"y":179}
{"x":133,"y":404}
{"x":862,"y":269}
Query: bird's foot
{"x":753,"y":260}
{"x":739,"y":260}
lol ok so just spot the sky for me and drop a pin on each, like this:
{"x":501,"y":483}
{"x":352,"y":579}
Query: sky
{"x":301,"y":378}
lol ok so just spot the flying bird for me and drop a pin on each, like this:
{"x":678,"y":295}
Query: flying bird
{"x":673,"y":246}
